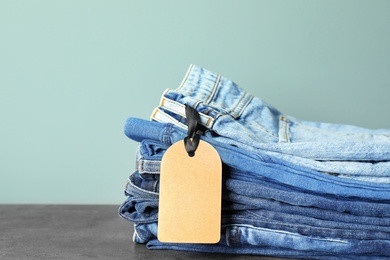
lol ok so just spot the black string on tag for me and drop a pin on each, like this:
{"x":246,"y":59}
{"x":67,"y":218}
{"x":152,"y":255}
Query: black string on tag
{"x":191,"y":141}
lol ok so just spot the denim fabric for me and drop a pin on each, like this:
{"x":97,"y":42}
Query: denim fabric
{"x":248,"y":239}
{"x":244,"y":183}
{"x":144,"y":211}
{"x":262,"y":230}
{"x":252,"y":203}
{"x":361,"y":161}
{"x":268,"y":199}
{"x":231,"y":112}
{"x":306,"y":236}
{"x":234,"y":201}
{"x":253,"y":222}
{"x":274,"y":168}
{"x":354,"y":166}
{"x":378,"y":170}
{"x":265,"y":251}
{"x":338,"y":150}
{"x":291,"y":188}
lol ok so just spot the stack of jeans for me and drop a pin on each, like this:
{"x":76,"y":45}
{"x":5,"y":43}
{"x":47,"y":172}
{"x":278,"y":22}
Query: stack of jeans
{"x":291,"y":188}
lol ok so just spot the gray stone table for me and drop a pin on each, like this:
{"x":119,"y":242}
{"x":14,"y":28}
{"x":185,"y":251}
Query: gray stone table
{"x":78,"y":232}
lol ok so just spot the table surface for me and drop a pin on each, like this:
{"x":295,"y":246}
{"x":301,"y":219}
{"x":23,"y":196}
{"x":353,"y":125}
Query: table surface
{"x":78,"y":232}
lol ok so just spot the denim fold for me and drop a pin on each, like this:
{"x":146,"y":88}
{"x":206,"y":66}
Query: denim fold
{"x":291,"y":188}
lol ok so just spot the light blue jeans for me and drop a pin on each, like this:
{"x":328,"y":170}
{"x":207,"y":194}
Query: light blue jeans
{"x":227,"y":109}
{"x":230,"y":114}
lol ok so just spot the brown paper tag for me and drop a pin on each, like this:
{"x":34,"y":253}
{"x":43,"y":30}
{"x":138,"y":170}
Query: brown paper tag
{"x":190,"y":195}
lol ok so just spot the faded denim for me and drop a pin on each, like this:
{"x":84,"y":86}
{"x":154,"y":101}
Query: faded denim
{"x":295,"y":176}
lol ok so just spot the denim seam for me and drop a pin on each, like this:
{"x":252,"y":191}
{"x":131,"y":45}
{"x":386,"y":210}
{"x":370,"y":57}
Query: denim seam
{"x":210,"y":124}
{"x":283,"y":130}
{"x":286,"y":232}
{"x":146,"y":192}
{"x":213,"y":91}
{"x":236,"y":236}
{"x":241,"y":105}
{"x":137,"y":234}
{"x":157,"y":114}
{"x":326,"y":222}
{"x":140,"y":166}
{"x":145,"y":166}
{"x":205,"y":119}
{"x":322,"y":177}
{"x":155,"y":185}
{"x":167,"y":134}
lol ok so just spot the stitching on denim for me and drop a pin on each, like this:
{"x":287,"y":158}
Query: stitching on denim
{"x":232,"y":111}
{"x":287,"y":131}
{"x":140,"y":164}
{"x":167,"y":134}
{"x":204,"y":118}
{"x":284,"y":128}
{"x":155,"y":185}
{"x":135,"y":232}
{"x":288,"y":233}
{"x":157,"y":114}
{"x":236,"y":236}
{"x":162,"y":97}
{"x":145,"y":192}
{"x":153,"y":116}
{"x":241,"y":105}
{"x":246,"y":104}
{"x":174,"y":104}
{"x":149,"y":166}
{"x":216,"y":83}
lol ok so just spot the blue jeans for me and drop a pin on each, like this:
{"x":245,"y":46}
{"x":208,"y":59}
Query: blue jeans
{"x":291,"y":188}
{"x":248,"y":239}
{"x":259,"y":232}
{"x":145,"y":210}
{"x":318,"y":237}
{"x":298,"y":177}
{"x":365,"y":161}
{"x":247,"y":186}
{"x":338,"y":150}
{"x":230,"y":114}
{"x":342,"y":158}
{"x":142,"y":190}
{"x":143,"y":187}
{"x":228,"y":111}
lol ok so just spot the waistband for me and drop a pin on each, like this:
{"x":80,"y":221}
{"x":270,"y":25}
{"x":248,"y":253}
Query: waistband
{"x":208,"y":87}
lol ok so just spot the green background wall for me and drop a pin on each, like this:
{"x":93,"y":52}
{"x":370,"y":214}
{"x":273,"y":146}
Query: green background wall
{"x":71,"y":72}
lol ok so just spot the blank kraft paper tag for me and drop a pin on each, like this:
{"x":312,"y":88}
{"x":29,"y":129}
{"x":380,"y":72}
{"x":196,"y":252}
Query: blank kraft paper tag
{"x":190,"y":195}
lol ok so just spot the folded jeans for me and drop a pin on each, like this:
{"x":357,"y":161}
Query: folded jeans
{"x":271,"y":165}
